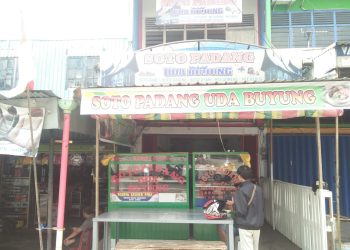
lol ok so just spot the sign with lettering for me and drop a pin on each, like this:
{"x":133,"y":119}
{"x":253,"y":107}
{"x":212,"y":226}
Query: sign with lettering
{"x":217,"y":98}
{"x":168,"y":67}
{"x":198,"y":11}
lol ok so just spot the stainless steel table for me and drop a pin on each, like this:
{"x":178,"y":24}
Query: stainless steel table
{"x":150,"y":215}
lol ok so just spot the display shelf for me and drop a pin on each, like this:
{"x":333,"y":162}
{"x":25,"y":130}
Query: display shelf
{"x":145,"y":179}
{"x":15,"y":198}
{"x":213,"y":174}
{"x":153,"y":180}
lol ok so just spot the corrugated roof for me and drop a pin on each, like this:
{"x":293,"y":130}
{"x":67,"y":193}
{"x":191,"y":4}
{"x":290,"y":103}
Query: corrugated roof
{"x":33,"y":94}
{"x":50,"y":59}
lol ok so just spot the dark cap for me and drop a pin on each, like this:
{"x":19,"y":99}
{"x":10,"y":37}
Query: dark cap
{"x":245,"y":171}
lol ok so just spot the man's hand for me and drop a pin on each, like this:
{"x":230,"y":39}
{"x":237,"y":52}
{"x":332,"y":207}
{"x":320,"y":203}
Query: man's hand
{"x":68,"y":242}
{"x":229,"y":203}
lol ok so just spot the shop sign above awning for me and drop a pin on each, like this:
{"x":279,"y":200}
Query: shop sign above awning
{"x":191,"y":12}
{"x":322,"y":95}
{"x":162,"y":66}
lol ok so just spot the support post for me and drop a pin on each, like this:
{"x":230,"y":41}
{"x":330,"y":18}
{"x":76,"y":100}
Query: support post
{"x":97,"y":168}
{"x":268,"y":41}
{"x":338,"y":229}
{"x":319,"y":153}
{"x":50,"y":194}
{"x":68,"y":106}
{"x":271,"y":179}
{"x":37,"y":196}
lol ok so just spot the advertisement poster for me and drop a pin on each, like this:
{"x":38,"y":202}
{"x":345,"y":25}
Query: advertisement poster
{"x":196,"y":12}
{"x":15,"y":134}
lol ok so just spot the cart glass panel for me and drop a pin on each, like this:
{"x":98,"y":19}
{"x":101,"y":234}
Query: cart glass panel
{"x":158,"y":178}
{"x":213,"y":175}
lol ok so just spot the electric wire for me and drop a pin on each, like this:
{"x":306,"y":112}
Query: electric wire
{"x":219,"y":130}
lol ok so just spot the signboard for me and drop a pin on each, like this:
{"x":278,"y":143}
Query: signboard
{"x":164,"y":68}
{"x":217,"y":98}
{"x":15,"y":134}
{"x":195,"y":12}
{"x":134,"y":196}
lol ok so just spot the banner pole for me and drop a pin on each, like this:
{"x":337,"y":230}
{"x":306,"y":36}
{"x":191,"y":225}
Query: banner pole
{"x":50,"y":193}
{"x":337,"y":181}
{"x":67,"y":106}
{"x":35,"y":172}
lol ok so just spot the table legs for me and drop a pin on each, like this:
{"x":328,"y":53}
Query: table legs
{"x":231,"y":237}
{"x":94,"y":235}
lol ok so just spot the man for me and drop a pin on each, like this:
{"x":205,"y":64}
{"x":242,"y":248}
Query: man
{"x":248,"y":207}
{"x":71,"y":240}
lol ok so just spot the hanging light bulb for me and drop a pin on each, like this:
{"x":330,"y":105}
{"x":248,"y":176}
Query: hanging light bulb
{"x":226,"y":162}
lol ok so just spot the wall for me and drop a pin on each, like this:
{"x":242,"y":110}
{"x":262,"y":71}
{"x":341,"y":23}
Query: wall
{"x":237,"y":34}
{"x":82,"y":124}
{"x":314,"y":5}
{"x":244,"y":35}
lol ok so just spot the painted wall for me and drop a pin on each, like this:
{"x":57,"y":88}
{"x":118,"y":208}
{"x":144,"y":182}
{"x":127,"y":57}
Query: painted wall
{"x":313,"y":5}
{"x":243,"y":35}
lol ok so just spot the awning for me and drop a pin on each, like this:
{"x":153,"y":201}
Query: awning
{"x":233,"y":115}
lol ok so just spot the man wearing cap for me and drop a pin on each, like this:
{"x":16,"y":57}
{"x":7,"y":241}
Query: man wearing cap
{"x":248,"y":207}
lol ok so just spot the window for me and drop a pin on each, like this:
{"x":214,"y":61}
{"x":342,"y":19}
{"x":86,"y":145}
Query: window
{"x":310,"y":28}
{"x":8,"y":72}
{"x":82,"y":71}
{"x":159,"y":34}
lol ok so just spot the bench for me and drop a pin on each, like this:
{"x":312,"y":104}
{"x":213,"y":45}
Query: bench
{"x":128,"y":244}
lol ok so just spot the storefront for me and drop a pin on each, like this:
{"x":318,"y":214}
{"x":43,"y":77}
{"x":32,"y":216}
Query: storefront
{"x":190,"y":104}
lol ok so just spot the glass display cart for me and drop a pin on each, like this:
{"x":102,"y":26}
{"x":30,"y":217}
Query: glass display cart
{"x":213,"y":174}
{"x":157,"y":180}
